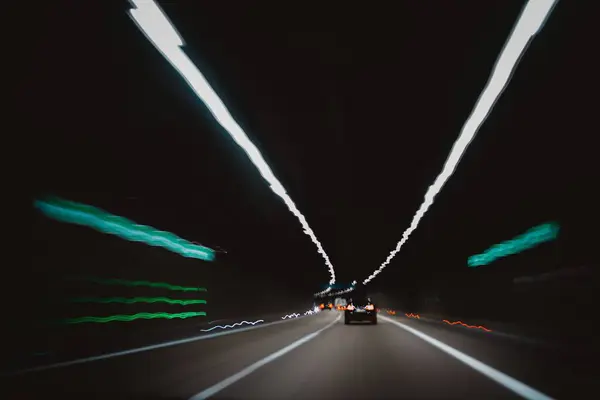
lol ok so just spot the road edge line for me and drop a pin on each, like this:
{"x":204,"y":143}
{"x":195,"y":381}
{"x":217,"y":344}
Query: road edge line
{"x":497,"y":376}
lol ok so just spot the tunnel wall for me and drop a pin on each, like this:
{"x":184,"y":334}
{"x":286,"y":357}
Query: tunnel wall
{"x":549,"y":290}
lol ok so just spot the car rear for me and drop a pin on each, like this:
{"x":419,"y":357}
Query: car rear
{"x":360,"y":310}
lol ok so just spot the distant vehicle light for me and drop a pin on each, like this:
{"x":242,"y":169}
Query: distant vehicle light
{"x":350,"y":307}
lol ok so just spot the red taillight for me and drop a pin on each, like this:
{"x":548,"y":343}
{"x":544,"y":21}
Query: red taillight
{"x":350,"y":307}
{"x":369,"y":307}
{"x":322,"y":306}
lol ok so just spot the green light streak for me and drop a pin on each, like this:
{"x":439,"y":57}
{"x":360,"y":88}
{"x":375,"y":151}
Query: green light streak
{"x":160,"y":285}
{"x":133,"y":317}
{"x":533,"y":237}
{"x":133,"y":300}
{"x":92,"y":217}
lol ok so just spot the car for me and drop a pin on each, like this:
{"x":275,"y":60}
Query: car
{"x":360,"y":309}
{"x":326,"y":306}
{"x":340,"y":303}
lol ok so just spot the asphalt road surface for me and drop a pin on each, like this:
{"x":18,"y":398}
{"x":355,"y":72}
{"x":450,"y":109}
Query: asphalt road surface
{"x":318,"y":357}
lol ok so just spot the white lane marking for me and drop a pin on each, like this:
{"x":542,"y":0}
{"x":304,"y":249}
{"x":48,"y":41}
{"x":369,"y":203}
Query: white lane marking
{"x":145,"y":348}
{"x":508,"y":382}
{"x":211,"y":391}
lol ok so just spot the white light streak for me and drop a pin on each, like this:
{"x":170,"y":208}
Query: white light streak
{"x":294,"y":315}
{"x":343,"y":291}
{"x":323,"y":293}
{"x":233,"y":325}
{"x":530,"y":22}
{"x":151,"y":20}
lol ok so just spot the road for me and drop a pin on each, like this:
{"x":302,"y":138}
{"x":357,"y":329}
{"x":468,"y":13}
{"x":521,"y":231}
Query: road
{"x":318,"y":357}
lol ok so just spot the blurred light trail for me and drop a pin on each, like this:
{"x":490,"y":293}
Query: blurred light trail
{"x":533,"y":237}
{"x":530,"y":22}
{"x":323,"y":293}
{"x":411,"y":315}
{"x":233,"y":325}
{"x":151,"y":20}
{"x":158,"y":285}
{"x":467,"y":326}
{"x":134,"y":300}
{"x":294,"y":315}
{"x":330,"y":287}
{"x":133,"y":317}
{"x":92,"y":217}
{"x":343,"y":291}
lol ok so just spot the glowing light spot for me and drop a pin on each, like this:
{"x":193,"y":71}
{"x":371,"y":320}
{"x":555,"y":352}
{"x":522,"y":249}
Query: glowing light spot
{"x":533,"y":237}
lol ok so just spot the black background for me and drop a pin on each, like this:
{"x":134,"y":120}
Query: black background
{"x":355,"y":109}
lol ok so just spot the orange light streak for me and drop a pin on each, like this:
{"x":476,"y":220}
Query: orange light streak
{"x":467,"y":326}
